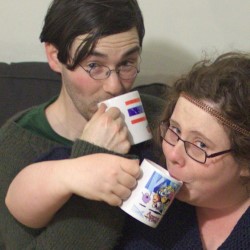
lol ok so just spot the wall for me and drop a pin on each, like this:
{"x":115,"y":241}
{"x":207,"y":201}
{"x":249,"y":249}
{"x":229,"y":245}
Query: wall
{"x":178,"y":33}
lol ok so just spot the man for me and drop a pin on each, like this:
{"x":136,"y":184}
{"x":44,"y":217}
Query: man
{"x":95,"y":46}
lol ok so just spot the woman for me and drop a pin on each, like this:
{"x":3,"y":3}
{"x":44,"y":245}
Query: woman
{"x":206,"y":142}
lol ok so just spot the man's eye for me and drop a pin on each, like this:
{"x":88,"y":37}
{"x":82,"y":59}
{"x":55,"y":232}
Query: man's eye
{"x":129,"y":63}
{"x":93,"y":65}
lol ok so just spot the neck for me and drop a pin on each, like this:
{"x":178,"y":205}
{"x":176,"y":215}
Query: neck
{"x":224,"y":219}
{"x":217,"y":213}
{"x":64,"y":119}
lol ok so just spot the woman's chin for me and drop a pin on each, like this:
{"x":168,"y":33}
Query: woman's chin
{"x":182,"y":195}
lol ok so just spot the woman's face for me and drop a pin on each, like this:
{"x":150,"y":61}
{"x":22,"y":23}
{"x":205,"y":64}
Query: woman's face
{"x":217,"y":182}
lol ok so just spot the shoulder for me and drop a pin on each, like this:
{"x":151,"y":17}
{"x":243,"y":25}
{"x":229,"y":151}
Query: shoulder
{"x":153,"y":97}
{"x":152,"y":101}
{"x":153,"y":108}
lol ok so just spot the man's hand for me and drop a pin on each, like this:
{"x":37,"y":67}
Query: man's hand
{"x":107,"y":129}
{"x":102,"y":177}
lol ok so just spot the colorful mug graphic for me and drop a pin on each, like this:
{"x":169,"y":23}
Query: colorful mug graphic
{"x":156,"y":198}
{"x":135,"y":110}
{"x":153,"y":195}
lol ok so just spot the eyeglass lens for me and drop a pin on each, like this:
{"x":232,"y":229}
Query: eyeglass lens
{"x":102,"y":72}
{"x":192,"y":150}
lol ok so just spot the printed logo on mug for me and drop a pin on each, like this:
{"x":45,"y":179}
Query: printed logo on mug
{"x":153,"y":195}
{"x":135,"y":118}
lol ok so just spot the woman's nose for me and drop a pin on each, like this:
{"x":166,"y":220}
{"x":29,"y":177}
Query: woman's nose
{"x":176,"y":154}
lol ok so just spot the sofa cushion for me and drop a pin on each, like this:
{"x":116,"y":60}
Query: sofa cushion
{"x":25,"y":84}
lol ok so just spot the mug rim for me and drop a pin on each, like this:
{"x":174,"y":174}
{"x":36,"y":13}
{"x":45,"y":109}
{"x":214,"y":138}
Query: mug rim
{"x":162,"y":170}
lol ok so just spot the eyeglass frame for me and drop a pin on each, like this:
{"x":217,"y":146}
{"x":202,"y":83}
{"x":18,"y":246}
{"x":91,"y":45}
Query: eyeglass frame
{"x":110,"y":71}
{"x":166,"y":127}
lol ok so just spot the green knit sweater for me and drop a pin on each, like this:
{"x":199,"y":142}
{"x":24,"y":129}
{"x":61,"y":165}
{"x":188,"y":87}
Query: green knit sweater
{"x":80,"y":223}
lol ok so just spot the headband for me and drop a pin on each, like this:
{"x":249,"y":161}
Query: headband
{"x":216,"y":114}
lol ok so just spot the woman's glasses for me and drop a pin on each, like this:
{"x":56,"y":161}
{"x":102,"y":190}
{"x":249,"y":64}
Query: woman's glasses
{"x":193,"y":151}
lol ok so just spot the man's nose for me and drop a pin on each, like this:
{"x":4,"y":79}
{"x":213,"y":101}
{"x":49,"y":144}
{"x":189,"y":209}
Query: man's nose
{"x":113,"y":84}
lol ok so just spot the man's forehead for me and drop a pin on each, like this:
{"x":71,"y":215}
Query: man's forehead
{"x":128,"y":38}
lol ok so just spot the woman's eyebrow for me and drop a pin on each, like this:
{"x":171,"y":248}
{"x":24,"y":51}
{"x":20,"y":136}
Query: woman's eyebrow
{"x":173,"y":122}
{"x":198,"y":133}
{"x":194,"y":132}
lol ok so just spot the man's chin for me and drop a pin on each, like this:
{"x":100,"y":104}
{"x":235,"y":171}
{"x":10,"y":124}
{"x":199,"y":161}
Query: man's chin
{"x":90,"y":113}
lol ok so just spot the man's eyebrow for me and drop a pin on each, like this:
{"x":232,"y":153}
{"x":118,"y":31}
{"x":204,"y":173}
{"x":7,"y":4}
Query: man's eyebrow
{"x":132,"y":51}
{"x":127,"y":53}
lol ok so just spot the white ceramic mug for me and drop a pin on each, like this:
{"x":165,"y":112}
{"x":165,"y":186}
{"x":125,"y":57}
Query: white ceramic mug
{"x":154,"y":193}
{"x":135,"y":118}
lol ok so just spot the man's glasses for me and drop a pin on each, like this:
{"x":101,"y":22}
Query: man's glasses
{"x":193,"y":151}
{"x":101,"y":72}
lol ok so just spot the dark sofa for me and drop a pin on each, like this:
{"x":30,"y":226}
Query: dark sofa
{"x":26,"y":84}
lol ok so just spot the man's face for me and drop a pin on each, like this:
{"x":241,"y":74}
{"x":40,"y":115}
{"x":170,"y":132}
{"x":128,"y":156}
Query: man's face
{"x":81,"y":92}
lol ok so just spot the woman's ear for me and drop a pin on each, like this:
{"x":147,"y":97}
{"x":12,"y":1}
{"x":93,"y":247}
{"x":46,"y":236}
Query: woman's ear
{"x":51,"y":53}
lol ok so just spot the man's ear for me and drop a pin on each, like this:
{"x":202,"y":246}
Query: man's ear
{"x":51,"y":53}
{"x":245,"y":171}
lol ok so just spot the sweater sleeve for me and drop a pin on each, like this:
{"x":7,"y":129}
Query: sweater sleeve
{"x":81,"y":148}
{"x":81,"y":224}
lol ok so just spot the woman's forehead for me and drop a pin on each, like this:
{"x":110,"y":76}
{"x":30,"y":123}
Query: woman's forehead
{"x":192,"y":118}
{"x":185,"y":108}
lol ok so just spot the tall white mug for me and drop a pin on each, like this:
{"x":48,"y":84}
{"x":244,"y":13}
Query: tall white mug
{"x":135,"y":118}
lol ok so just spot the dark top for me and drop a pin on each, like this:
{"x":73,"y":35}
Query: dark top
{"x":179,"y":230}
{"x":80,"y":223}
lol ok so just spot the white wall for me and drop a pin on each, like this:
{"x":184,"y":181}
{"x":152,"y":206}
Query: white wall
{"x":178,"y":33}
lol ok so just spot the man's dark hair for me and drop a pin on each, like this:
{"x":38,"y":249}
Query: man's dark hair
{"x":68,"y":19}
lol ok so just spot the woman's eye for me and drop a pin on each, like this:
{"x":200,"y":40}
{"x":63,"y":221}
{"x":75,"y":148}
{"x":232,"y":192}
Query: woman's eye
{"x":201,"y":144}
{"x":175,"y":129}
